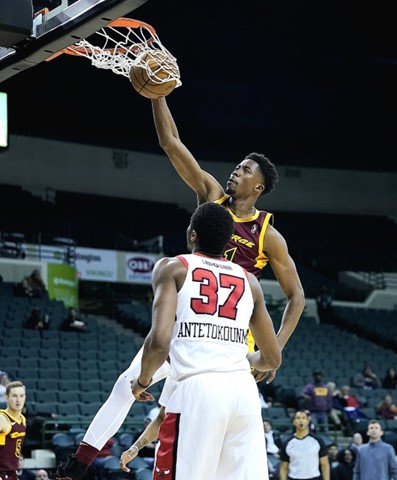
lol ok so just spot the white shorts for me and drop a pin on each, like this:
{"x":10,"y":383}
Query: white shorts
{"x":213,"y":430}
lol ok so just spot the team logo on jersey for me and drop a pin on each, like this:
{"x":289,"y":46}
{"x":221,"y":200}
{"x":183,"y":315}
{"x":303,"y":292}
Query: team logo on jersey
{"x":254,"y":228}
{"x":161,"y":473}
{"x":243,"y":241}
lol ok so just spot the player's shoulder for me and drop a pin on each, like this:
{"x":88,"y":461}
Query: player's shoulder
{"x":5,"y":421}
{"x":274,"y":236}
{"x":166,"y":265}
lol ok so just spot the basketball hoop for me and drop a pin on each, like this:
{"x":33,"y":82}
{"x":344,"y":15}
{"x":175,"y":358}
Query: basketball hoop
{"x":124,"y":43}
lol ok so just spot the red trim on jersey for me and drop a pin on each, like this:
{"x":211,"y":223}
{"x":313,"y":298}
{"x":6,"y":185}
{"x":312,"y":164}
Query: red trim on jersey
{"x":183,"y":260}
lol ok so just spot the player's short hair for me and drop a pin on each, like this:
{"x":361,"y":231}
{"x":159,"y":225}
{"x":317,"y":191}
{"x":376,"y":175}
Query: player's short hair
{"x":214,"y":226}
{"x":268,"y":171}
{"x":14,"y":384}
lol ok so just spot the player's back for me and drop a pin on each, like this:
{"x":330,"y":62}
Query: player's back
{"x":214,"y":307}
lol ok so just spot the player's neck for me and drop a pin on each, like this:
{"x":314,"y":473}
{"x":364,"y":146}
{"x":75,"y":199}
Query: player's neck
{"x":242,"y":208}
{"x":13,"y":413}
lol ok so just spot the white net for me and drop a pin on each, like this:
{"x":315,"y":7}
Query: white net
{"x":124,"y":43}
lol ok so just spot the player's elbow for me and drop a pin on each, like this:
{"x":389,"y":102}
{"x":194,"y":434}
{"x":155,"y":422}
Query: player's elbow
{"x":167,"y":142}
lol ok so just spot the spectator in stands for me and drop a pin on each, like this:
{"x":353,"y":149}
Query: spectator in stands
{"x":312,"y":426}
{"x":31,"y":286}
{"x":324,"y":305}
{"x":42,"y":474}
{"x":376,"y":459}
{"x":387,"y":409}
{"x":4,"y":381}
{"x":72,"y":322}
{"x":336,"y":415}
{"x":273,"y":445}
{"x":357,"y":442}
{"x":351,"y":406}
{"x":318,"y":400}
{"x":22,"y":288}
{"x":332,"y":449}
{"x":37,"y":320}
{"x":390,"y":379}
{"x":366,"y":378}
{"x":24,"y":473}
{"x":36,"y":283}
{"x":344,"y":471}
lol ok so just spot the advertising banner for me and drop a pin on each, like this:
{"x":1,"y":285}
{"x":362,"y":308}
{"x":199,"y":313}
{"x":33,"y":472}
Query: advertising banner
{"x":139,"y":266}
{"x":63,"y":283}
{"x":96,"y":265}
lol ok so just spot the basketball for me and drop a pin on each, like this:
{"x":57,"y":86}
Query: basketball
{"x":151,"y":86}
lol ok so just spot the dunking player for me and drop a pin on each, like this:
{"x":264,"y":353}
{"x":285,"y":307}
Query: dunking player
{"x":12,"y":430}
{"x":203,"y":306}
{"x":254,"y":243}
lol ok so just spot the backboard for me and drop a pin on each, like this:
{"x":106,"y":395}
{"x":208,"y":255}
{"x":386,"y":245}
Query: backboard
{"x":59,"y":28}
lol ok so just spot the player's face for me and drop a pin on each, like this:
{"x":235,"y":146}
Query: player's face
{"x":244,"y":178}
{"x":16,"y":399}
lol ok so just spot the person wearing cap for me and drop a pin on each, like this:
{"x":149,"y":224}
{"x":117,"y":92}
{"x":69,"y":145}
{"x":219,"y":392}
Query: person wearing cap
{"x":317,"y":399}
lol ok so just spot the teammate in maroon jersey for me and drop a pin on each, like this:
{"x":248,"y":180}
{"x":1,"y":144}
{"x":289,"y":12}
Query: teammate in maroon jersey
{"x":12,"y":430}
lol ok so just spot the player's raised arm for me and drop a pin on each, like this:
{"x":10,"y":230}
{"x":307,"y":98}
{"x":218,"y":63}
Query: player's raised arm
{"x":205,"y":185}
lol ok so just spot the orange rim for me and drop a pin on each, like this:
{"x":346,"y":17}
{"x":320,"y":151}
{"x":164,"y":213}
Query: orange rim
{"x":119,"y":22}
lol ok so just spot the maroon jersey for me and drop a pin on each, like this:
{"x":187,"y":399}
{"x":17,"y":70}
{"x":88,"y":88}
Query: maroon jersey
{"x":11,"y":444}
{"x":246,"y":246}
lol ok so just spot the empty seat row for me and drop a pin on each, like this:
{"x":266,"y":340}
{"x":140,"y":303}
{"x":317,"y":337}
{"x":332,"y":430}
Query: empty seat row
{"x":75,"y":408}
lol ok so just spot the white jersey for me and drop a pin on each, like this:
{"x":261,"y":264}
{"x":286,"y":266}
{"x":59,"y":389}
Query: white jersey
{"x":211,"y":396}
{"x":215,"y":305}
